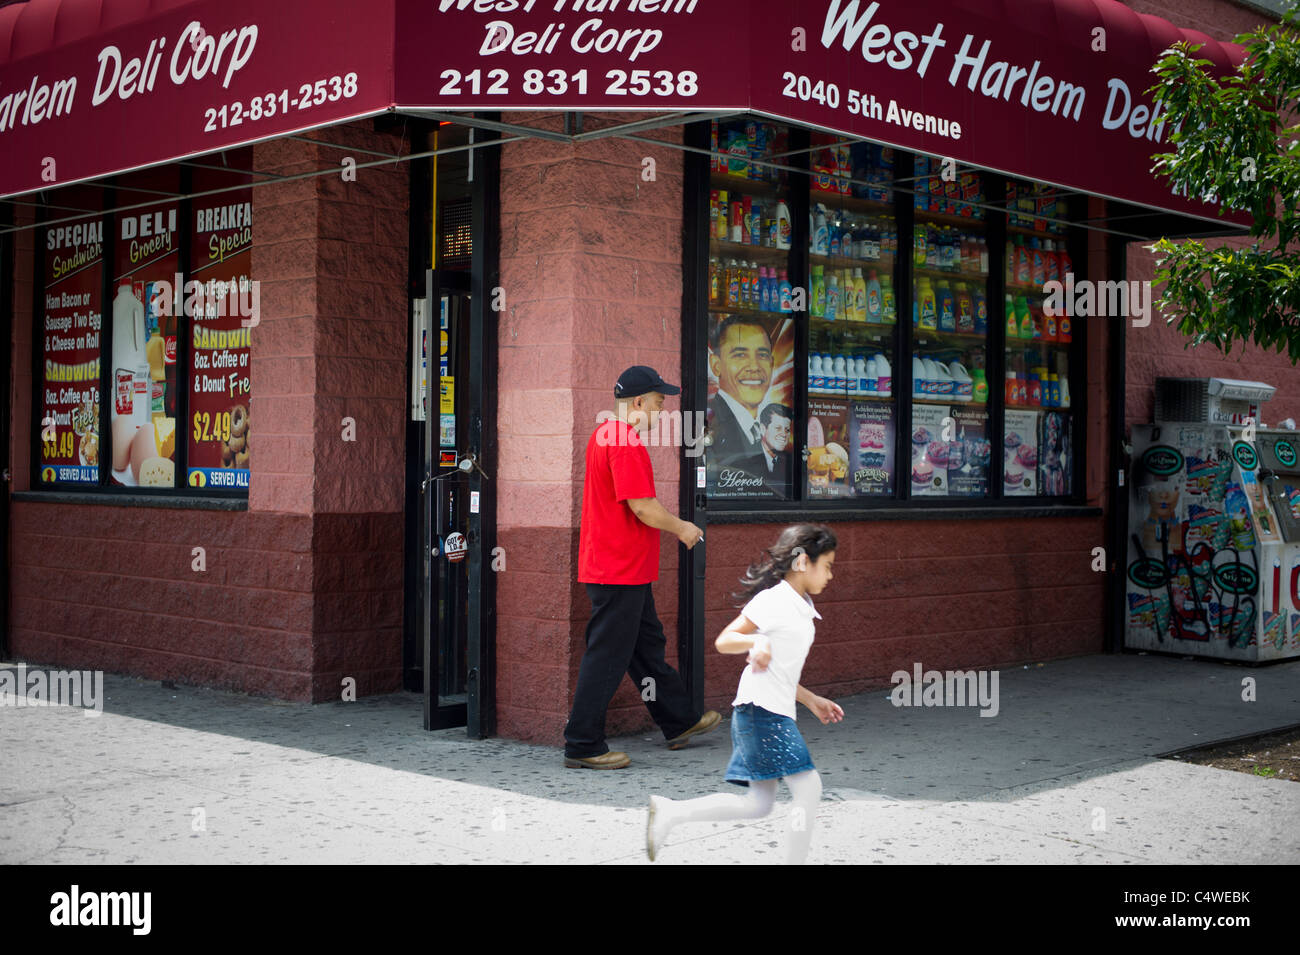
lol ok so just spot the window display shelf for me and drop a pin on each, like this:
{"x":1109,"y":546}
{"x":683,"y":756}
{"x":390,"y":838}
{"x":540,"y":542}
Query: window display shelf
{"x":884,"y":263}
{"x":943,"y":218}
{"x":739,"y":185}
{"x":947,"y":400}
{"x":841,"y":203}
{"x":742,"y":250}
{"x":926,"y":336}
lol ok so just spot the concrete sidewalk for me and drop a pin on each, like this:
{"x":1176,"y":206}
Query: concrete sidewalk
{"x":1066,"y":772}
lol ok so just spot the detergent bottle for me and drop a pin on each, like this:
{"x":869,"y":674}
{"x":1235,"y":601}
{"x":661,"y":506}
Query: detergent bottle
{"x":873,"y":303}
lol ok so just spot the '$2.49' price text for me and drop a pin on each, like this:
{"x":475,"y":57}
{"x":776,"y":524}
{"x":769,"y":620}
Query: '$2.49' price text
{"x":209,"y":427}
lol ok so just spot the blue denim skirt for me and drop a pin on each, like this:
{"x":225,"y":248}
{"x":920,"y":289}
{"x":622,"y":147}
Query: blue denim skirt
{"x":764,"y":745}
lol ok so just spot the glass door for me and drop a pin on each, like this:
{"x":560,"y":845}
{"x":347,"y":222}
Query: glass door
{"x":447,"y":504}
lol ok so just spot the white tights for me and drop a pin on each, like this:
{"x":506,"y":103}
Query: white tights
{"x":757,"y":802}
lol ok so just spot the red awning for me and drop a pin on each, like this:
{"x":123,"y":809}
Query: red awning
{"x":1026,"y":87}
{"x":90,"y":88}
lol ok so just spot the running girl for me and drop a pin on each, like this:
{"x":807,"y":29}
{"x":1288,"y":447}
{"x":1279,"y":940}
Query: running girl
{"x":776,"y":629}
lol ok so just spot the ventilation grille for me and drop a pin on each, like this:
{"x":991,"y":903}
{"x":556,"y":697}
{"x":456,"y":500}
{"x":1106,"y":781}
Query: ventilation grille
{"x":1182,"y":399}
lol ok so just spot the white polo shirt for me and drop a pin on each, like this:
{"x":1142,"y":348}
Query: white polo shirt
{"x":786,"y":620}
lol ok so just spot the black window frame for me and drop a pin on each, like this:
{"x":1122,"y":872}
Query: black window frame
{"x":901,"y":504}
{"x":180,"y":495}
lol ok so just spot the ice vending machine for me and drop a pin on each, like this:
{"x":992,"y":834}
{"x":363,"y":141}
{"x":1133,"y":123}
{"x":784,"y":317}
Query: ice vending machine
{"x":1214,"y":540}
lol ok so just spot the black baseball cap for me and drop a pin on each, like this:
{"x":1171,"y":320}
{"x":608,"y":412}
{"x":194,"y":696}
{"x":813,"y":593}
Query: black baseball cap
{"x":640,"y":380}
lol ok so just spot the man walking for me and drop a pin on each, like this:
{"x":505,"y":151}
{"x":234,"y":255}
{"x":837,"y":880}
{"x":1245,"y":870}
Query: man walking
{"x":618,"y":560}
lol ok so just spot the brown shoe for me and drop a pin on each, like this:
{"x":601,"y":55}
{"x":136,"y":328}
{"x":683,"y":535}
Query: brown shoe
{"x":610,"y":760}
{"x":707,"y":722}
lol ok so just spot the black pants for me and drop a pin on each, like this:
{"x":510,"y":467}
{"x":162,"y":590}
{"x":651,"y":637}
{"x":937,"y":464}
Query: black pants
{"x":624,"y":636}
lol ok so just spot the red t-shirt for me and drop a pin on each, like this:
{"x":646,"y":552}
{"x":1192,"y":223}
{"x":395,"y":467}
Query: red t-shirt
{"x":614,"y":547}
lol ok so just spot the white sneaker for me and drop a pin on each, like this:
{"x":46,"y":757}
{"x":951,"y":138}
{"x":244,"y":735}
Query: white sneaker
{"x":657,"y":826}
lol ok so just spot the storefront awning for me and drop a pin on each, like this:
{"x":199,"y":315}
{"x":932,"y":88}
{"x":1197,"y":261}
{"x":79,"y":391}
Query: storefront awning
{"x":1050,"y":90}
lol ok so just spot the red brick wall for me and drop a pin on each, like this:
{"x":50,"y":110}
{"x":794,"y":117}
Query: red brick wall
{"x":1159,"y":350}
{"x":591,"y":270}
{"x":305,"y":587}
{"x":946,"y":594}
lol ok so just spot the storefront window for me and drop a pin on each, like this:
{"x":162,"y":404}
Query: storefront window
{"x":222,"y":327}
{"x":752,"y":317}
{"x":1037,"y":439}
{"x":853,"y":316}
{"x":950,"y":332}
{"x":828,"y":303}
{"x":142,"y":354}
{"x":72,"y":327}
{"x":116,"y":410}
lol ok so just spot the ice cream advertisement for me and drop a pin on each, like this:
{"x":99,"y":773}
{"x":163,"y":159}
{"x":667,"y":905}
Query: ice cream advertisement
{"x":931,"y":426}
{"x":219,"y":428}
{"x":71,"y":325}
{"x":1020,"y":453}
{"x":968,"y":454}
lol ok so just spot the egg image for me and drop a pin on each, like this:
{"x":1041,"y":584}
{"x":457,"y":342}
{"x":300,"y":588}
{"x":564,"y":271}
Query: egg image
{"x":124,"y":430}
{"x":143,"y":447}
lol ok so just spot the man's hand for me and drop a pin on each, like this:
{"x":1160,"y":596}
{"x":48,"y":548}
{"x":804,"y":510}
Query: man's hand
{"x":689,"y":534}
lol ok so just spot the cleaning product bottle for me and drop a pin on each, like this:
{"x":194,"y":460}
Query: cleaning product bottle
{"x":980,"y":386}
{"x":1013,"y":328}
{"x":784,"y":230}
{"x":946,"y":306}
{"x":1049,"y":325}
{"x":918,"y":246}
{"x":817,"y":294}
{"x":870,"y":372}
{"x":884,"y":377}
{"x":716,"y":296}
{"x":1063,"y":259}
{"x":981,"y":308}
{"x":1024,"y":270}
{"x":919,"y":382}
{"x":873,"y":298}
{"x":821,"y":234}
{"x":963,"y":386}
{"x":814,"y":372}
{"x":888,"y":310}
{"x":833,"y":298}
{"x":965,"y":310}
{"x":786,"y":292}
{"x":841,"y":373}
{"x":1051,"y":261}
{"x":724,"y":210}
{"x":1026,"y":323}
{"x":866,"y":384}
{"x":1037,"y":267}
{"x":928,"y":305}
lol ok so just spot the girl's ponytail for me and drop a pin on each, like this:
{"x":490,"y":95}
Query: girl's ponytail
{"x":811,"y":539}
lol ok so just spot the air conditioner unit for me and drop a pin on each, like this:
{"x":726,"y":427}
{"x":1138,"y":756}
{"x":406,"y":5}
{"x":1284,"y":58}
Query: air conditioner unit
{"x":1210,"y":400}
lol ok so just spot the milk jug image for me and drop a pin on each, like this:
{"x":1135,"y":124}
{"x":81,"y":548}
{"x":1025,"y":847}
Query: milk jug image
{"x":130,"y":359}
